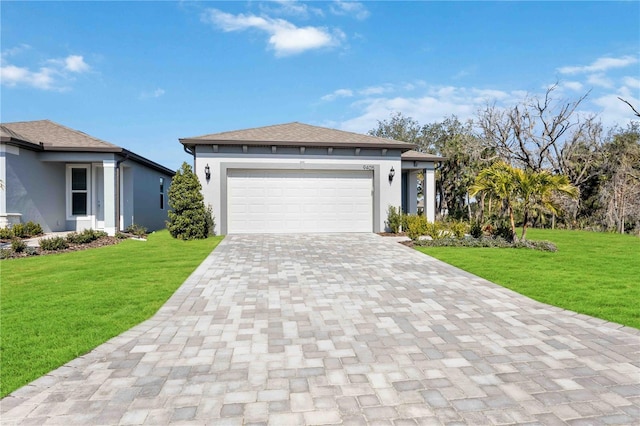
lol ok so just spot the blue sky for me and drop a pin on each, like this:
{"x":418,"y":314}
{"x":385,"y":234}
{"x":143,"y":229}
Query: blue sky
{"x":143,"y":74}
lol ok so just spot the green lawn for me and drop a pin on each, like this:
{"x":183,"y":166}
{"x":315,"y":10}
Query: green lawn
{"x":57,"y":307}
{"x":592,"y":273}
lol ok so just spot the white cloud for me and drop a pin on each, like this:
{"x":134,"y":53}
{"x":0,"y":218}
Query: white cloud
{"x":340,"y":93}
{"x":11,"y":75}
{"x":351,"y":8}
{"x":600,"y":65}
{"x":600,"y":80}
{"x":53,"y":76}
{"x":284,"y":37}
{"x":632,"y":82}
{"x":76,"y":63}
{"x":152,"y":95}
{"x":376,"y":90}
{"x":613,"y":110}
{"x":576,"y":86}
{"x":290,"y":7}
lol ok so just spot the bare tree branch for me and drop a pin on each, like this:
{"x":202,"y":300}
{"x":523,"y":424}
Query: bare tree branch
{"x":628,"y":103}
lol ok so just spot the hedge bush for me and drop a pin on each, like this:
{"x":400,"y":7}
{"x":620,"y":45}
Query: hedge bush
{"x":53,"y":244}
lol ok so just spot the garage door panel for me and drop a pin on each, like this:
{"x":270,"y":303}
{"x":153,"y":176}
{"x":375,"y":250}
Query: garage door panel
{"x":281,"y":201}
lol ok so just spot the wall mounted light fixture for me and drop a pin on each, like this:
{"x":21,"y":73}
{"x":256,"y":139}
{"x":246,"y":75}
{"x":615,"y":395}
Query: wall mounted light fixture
{"x":392,"y":173}
{"x":207,"y":172}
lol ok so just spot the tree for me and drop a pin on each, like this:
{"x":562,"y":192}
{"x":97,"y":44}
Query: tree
{"x":188,"y":216}
{"x":532,"y":133}
{"x":497,"y":181}
{"x":535,"y":191}
{"x":620,"y":179}
{"x":527,"y":190}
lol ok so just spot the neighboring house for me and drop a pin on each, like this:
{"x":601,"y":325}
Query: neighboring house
{"x":300,"y":178}
{"x":66,"y":180}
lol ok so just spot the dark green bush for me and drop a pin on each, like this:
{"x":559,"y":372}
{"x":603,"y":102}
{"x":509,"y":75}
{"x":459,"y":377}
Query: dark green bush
{"x":6,"y":233}
{"x":19,"y":230}
{"x":53,"y":244}
{"x":503,"y":230}
{"x":211,"y":221}
{"x":33,"y":229}
{"x":394,"y":219}
{"x":85,"y":237}
{"x":476,"y":229}
{"x":18,"y":246}
{"x":188,"y":216}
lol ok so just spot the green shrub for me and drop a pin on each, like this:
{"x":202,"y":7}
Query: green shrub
{"x":487,"y":242}
{"x":137,"y":230}
{"x":6,"y":233}
{"x":5,"y":253}
{"x":121,"y":236}
{"x":476,"y":229}
{"x":503,"y":230}
{"x":211,"y":221}
{"x":53,"y":244}
{"x":188,"y":216}
{"x":417,"y":226}
{"x":33,"y":229}
{"x":436,"y":230}
{"x":85,"y":237}
{"x":458,"y":229}
{"x":394,"y":219}
{"x":17,"y":245}
{"x":19,"y":230}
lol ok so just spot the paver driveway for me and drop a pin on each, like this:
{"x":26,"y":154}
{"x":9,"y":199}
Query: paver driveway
{"x":351,"y":329}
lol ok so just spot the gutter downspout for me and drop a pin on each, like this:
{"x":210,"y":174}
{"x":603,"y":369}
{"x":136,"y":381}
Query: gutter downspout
{"x":191,"y":151}
{"x":126,"y":156}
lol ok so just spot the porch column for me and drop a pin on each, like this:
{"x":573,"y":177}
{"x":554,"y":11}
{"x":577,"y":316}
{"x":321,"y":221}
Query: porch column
{"x":429,"y":189}
{"x":3,"y":186}
{"x":412,"y":192}
{"x":109,"y":167}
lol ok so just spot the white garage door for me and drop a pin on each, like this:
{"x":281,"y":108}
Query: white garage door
{"x":289,"y":201}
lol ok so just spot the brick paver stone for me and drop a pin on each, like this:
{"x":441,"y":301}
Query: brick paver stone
{"x":351,"y":329}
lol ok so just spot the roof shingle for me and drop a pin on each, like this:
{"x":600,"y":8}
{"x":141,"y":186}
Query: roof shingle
{"x":56,"y":136}
{"x":295,"y":134}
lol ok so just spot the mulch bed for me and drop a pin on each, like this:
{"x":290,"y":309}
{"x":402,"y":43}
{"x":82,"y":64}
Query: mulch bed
{"x":35,"y":251}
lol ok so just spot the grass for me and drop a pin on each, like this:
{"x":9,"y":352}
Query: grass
{"x":597,"y":274}
{"x":55,"y":308}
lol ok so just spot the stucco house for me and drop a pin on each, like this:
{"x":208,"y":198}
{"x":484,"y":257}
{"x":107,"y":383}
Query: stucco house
{"x":66,"y":180}
{"x":297,"y":177}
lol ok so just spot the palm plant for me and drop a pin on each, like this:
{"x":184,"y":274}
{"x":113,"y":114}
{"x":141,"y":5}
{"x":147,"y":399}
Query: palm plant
{"x":527,"y":190}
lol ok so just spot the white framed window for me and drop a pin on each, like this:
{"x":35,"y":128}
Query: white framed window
{"x":78,"y":190}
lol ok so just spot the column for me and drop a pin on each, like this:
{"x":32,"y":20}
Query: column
{"x":429,"y":189}
{"x":109,"y":168}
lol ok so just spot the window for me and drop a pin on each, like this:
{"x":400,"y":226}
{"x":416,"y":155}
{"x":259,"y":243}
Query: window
{"x":78,"y":192}
{"x":162,"y":193}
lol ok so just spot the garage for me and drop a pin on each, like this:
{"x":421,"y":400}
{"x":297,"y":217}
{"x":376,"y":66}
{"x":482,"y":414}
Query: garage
{"x":305,"y":201}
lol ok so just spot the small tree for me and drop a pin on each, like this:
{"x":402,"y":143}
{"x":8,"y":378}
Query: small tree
{"x":188,"y":216}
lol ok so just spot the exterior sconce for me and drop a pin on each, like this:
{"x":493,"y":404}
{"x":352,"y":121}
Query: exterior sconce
{"x":207,"y":172}
{"x":392,"y":173}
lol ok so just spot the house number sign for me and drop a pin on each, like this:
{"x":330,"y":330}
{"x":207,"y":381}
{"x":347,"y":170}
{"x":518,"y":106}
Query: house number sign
{"x":368,"y":167}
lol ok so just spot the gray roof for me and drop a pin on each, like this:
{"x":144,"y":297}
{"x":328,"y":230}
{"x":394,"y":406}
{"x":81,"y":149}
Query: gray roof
{"x":421,"y":156}
{"x":8,"y":135}
{"x":56,"y":137}
{"x":295,"y":134}
{"x":45,"y":135}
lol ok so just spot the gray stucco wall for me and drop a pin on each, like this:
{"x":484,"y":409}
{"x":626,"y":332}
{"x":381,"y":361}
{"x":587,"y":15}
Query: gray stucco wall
{"x":36,"y":189}
{"x":146,"y":196}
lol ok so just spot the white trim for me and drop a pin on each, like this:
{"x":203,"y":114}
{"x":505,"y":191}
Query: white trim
{"x":68,"y":192}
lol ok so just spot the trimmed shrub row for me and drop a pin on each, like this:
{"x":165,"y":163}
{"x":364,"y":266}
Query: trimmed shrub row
{"x":21,"y":230}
